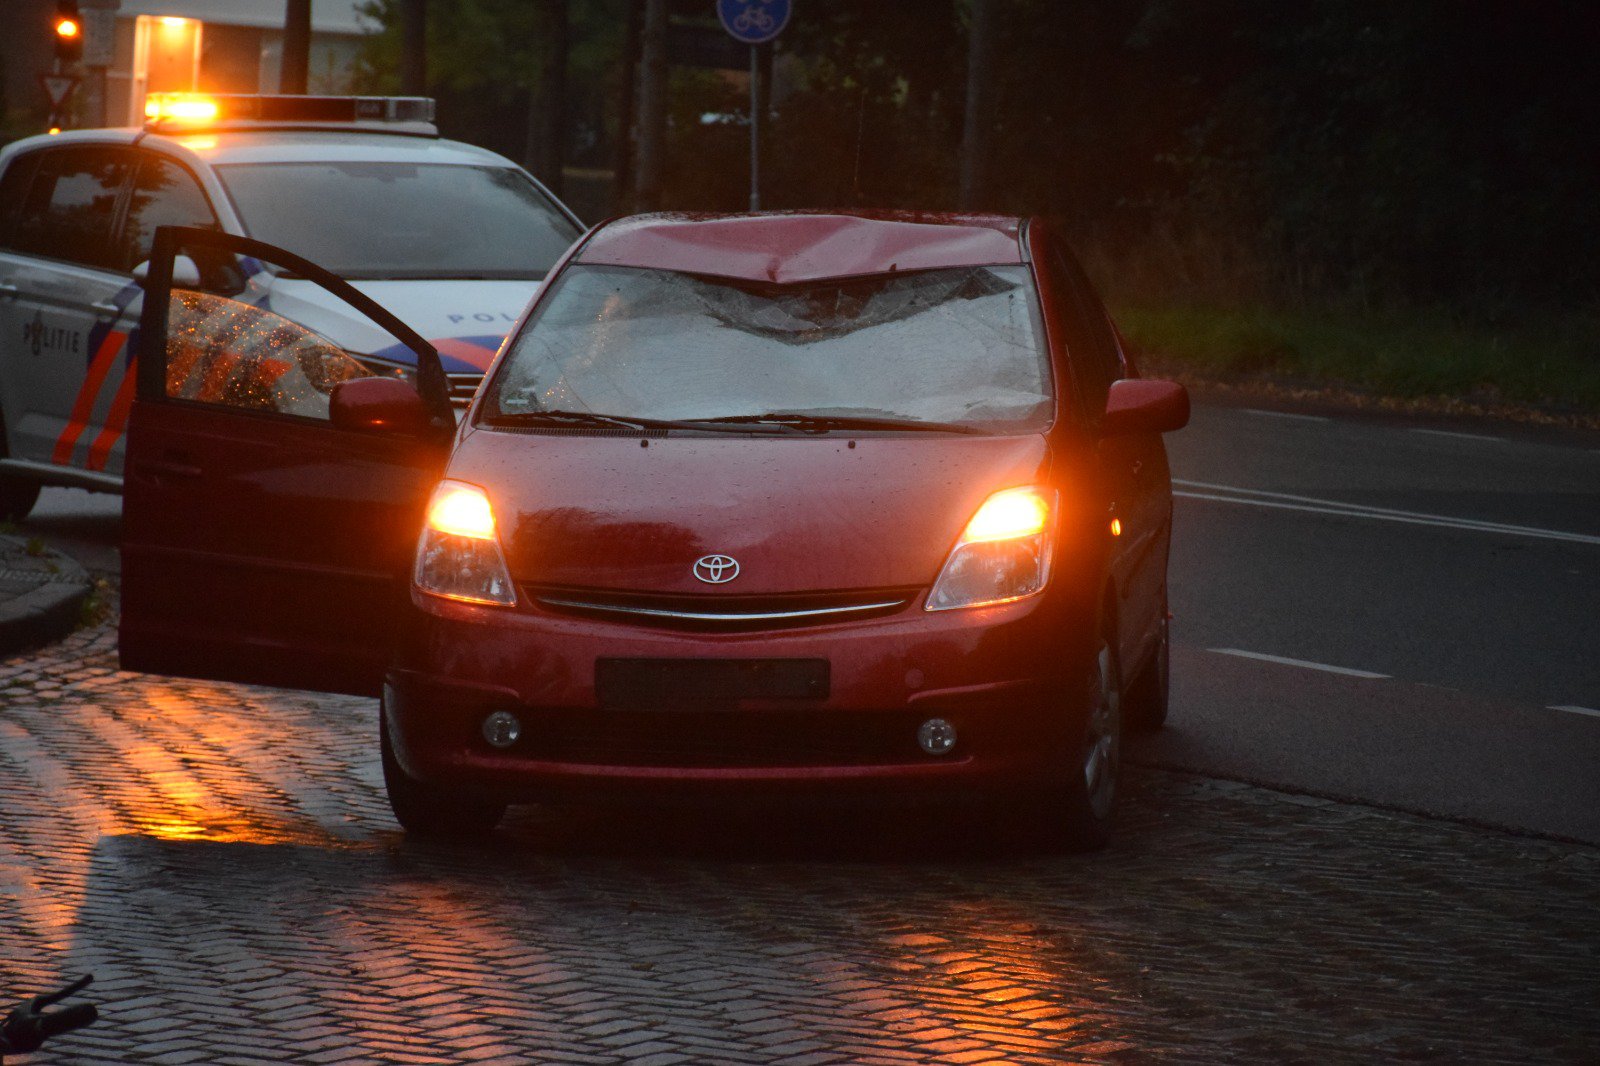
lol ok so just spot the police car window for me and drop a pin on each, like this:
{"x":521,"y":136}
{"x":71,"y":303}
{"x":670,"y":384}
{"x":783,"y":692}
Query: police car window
{"x":71,"y":205}
{"x":13,"y":191}
{"x":164,"y":194}
{"x":402,"y":220}
{"x":225,"y":352}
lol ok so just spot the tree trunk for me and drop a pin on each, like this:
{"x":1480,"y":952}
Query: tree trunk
{"x":627,"y":117}
{"x":975,"y":135}
{"x":414,"y":47}
{"x":296,"y":47}
{"x":652,"y":107}
{"x":544,"y":146}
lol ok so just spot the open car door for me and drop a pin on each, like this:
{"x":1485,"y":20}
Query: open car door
{"x":262,"y":542}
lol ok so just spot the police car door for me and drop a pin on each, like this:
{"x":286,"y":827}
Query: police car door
{"x":261,"y":541}
{"x":64,"y":303}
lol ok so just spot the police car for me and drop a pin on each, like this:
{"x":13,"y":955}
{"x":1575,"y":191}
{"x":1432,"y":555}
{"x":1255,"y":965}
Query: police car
{"x":454,"y":239}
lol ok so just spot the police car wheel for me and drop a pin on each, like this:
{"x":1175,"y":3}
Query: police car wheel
{"x":17,"y":497}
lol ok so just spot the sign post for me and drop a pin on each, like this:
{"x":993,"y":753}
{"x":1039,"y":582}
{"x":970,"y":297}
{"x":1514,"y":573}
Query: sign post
{"x":99,"y":40}
{"x":754,"y":22}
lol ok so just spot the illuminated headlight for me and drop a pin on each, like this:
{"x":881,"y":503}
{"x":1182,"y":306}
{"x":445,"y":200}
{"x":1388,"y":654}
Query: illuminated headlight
{"x":1003,"y":554}
{"x":459,"y":554}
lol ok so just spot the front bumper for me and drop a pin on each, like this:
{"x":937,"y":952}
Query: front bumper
{"x":1004,"y":676}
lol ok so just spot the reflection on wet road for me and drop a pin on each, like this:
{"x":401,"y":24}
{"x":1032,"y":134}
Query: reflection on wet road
{"x":222,"y":858}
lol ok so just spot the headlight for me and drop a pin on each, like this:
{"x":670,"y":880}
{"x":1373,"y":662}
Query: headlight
{"x":1003,"y":554}
{"x":459,"y":554}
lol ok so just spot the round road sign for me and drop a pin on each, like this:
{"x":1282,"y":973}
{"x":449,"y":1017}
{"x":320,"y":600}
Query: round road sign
{"x":754,"y":21}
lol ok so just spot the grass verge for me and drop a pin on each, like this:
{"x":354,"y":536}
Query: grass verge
{"x":1552,"y":365}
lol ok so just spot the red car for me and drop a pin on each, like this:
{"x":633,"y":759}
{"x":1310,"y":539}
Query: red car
{"x":828,"y":507}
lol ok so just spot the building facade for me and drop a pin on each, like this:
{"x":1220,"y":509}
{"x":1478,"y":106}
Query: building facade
{"x":134,"y":47}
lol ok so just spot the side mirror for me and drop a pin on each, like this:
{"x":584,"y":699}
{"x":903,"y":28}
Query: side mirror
{"x":185,"y":272}
{"x":378,"y":405}
{"x":1139,"y":405}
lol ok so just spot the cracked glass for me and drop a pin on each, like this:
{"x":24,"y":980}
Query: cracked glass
{"x":231,"y":353}
{"x":949,"y":346}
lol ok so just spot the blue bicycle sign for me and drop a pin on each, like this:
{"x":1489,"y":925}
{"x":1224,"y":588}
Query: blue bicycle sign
{"x":754,"y":21}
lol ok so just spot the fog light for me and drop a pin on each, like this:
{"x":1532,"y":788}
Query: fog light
{"x":936,"y":736}
{"x":501,"y":729}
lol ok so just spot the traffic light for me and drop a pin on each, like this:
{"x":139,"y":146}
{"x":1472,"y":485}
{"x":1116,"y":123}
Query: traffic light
{"x":69,"y":32}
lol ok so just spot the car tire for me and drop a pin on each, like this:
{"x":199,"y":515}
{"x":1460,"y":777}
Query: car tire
{"x":1082,"y":808}
{"x":17,"y":497}
{"x":17,"y":494}
{"x":429,"y":811}
{"x":1144,"y":704}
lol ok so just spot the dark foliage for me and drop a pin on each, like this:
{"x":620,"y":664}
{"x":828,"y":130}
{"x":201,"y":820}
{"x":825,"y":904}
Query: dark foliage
{"x":1436,"y":152}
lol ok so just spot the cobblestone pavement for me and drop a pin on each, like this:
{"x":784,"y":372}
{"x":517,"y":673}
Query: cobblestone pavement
{"x":222,"y":858}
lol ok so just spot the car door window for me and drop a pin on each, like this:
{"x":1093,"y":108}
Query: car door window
{"x":226,"y":352}
{"x":1091,"y":345}
{"x":163,"y":194}
{"x":70,"y":208}
{"x":206,"y":347}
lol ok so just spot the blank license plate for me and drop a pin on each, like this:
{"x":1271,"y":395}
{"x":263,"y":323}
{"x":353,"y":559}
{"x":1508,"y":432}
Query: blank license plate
{"x":685,"y":684}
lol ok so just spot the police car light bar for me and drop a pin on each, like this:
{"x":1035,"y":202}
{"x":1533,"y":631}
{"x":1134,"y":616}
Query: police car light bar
{"x":193,"y":110}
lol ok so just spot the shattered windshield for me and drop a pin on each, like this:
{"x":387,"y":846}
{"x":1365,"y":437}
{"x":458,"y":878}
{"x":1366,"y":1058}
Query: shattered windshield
{"x":959,"y":346}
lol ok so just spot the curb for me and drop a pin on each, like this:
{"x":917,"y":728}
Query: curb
{"x":47,"y":611}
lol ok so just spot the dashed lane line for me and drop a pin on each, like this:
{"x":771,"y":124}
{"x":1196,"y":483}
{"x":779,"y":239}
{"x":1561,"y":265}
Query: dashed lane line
{"x":1571,"y":709}
{"x":1462,"y":436}
{"x":1313,"y":505}
{"x":1282,"y":661}
{"x":1283,"y":414}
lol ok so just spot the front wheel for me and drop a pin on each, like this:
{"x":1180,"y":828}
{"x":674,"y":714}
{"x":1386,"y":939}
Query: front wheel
{"x":1082,"y":805}
{"x":428,"y":810}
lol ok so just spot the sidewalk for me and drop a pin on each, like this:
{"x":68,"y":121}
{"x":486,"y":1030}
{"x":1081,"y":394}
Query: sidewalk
{"x":41,"y":594}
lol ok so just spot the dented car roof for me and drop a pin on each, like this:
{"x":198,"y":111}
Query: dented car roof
{"x":790,"y":247}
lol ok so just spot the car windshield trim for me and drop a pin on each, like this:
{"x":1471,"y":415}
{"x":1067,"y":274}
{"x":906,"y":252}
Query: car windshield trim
{"x":577,"y":419}
{"x":819,"y":422}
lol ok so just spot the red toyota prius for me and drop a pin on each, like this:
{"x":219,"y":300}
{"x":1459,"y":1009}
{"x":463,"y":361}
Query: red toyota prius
{"x":822,"y":507}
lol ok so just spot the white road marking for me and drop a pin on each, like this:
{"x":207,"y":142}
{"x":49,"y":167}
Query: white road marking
{"x":1314,"y":505}
{"x":1283,"y":414}
{"x":1281,"y":661}
{"x":1463,"y":436}
{"x":1590,"y":711}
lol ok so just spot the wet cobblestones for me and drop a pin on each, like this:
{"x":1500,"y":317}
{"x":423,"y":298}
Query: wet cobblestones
{"x":223,"y":860}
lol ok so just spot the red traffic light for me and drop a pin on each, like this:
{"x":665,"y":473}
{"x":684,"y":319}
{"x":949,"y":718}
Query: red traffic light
{"x":68,"y":27}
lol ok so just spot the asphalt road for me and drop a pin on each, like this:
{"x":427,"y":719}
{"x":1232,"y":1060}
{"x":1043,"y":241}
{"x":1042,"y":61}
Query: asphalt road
{"x":1461,"y":567}
{"x":1435,"y":591}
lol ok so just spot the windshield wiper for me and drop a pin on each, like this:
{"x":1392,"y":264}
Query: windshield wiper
{"x":584,"y":419}
{"x":817,"y":423}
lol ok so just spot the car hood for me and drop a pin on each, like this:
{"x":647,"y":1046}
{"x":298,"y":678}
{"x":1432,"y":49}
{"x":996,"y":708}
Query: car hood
{"x":465,"y":320}
{"x":799,"y":514}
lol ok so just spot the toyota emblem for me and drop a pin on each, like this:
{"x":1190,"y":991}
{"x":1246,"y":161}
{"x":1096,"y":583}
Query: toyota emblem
{"x":716,"y":569}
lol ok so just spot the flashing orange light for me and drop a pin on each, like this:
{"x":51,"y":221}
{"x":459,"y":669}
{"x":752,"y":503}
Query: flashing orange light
{"x":179,"y":107}
{"x":1116,"y":527}
{"x":461,"y":511}
{"x":54,"y":130}
{"x":1008,"y":515}
{"x":67,"y":27}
